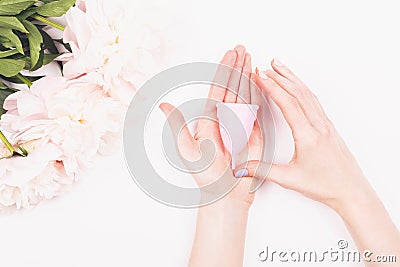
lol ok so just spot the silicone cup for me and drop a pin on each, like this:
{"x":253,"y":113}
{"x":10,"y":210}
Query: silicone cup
{"x":236,"y":122}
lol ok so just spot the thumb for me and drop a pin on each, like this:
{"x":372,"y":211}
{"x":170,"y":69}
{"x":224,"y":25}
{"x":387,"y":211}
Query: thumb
{"x":279,"y":174}
{"x":177,"y":123}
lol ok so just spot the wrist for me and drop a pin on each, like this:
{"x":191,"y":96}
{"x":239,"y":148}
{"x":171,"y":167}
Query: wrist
{"x":224,"y":216}
{"x":358,"y":200}
{"x":220,"y":225}
{"x":226,"y":204}
{"x":238,"y":196}
{"x":229,"y":201}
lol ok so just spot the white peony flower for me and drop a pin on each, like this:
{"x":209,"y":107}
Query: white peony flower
{"x":112,"y":45}
{"x":24,"y":181}
{"x":72,"y":114}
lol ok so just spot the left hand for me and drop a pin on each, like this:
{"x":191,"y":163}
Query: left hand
{"x":238,"y":61}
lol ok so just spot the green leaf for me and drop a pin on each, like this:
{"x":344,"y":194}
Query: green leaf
{"x":11,"y":67}
{"x":25,"y":14}
{"x":16,"y":56}
{"x":8,"y":53}
{"x":48,"y":42}
{"x":2,"y":85}
{"x":12,"y":23}
{"x":7,"y":44}
{"x":55,"y":8}
{"x":13,"y":38}
{"x":14,"y":7}
{"x":35,"y":42}
{"x":4,"y":93}
{"x":3,"y":39}
{"x":27,"y":61}
{"x":18,"y":81}
{"x":39,"y":63}
{"x":47,"y":58}
{"x":67,"y":46}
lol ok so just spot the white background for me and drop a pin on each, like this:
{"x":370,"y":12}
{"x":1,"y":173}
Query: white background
{"x":348,"y":54}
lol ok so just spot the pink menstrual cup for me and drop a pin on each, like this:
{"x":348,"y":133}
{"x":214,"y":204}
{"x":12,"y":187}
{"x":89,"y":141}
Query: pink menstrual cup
{"x":236,"y":122}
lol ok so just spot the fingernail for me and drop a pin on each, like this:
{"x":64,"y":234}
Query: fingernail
{"x":241,"y":173}
{"x":277,"y":62}
{"x":261,"y":74}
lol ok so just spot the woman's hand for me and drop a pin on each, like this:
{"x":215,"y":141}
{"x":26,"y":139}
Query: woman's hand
{"x":322,"y":167}
{"x":222,"y":224}
{"x":234,"y":74}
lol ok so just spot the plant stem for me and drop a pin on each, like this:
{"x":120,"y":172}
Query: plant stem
{"x":23,"y":151}
{"x":23,"y":79}
{"x":48,"y":22}
{"x":7,"y":143}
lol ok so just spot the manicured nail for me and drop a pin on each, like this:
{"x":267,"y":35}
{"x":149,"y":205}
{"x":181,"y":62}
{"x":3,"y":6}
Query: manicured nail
{"x":261,"y":74}
{"x":241,"y":173}
{"x":277,"y":62}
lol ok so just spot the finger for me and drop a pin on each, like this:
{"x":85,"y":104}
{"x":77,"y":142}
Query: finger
{"x":303,"y":97}
{"x":221,"y":78}
{"x":320,"y":108}
{"x":289,"y":106}
{"x":255,"y":147}
{"x":256,"y":142}
{"x":256,"y":137}
{"x":296,"y":88}
{"x":218,"y":88}
{"x":279,"y":174}
{"x":244,"y":84}
{"x":176,"y":121}
{"x":234,"y":80}
{"x":255,"y":92}
{"x":280,"y":68}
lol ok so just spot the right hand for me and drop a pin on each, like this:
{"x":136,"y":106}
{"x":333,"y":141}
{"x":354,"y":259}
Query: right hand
{"x":322,"y":167}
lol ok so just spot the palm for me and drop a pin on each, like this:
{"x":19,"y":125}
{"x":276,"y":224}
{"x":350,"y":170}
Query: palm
{"x":196,"y":150}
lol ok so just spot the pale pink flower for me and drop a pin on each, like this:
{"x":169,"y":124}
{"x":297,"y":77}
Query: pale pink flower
{"x":73,"y":114}
{"x":4,"y":152}
{"x":24,"y":181}
{"x":112,"y":45}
